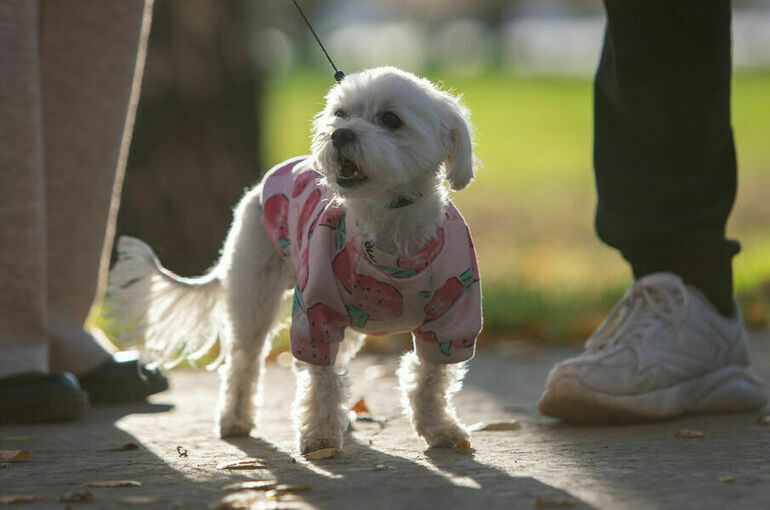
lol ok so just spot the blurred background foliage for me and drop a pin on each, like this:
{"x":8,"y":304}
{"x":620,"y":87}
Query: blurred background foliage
{"x":230,"y":88}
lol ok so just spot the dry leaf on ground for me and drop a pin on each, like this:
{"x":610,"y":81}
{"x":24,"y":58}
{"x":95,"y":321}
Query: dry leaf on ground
{"x":16,"y":499}
{"x":360,"y":407}
{"x":111,"y":484}
{"x":463,"y":446}
{"x":77,"y":497}
{"x":688,"y":433}
{"x":239,"y":500}
{"x":243,"y":464}
{"x":380,"y":467}
{"x":286,"y":487}
{"x":13,"y":455}
{"x":728,"y":479}
{"x":181,"y":451}
{"x":764,"y":420}
{"x":323,"y":453}
{"x":495,"y":426}
{"x":128,"y":447}
{"x":283,"y":491}
{"x":258,"y":485}
{"x":139,"y":500}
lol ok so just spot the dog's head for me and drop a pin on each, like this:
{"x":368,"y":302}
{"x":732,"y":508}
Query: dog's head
{"x":386,"y":131}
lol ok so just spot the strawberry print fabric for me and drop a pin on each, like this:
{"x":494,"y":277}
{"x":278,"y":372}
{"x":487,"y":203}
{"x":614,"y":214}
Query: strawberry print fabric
{"x":343,"y":281}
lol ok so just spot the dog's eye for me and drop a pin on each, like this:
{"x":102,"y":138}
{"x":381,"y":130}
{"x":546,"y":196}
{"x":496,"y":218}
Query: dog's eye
{"x":341,"y":114}
{"x":391,"y":121}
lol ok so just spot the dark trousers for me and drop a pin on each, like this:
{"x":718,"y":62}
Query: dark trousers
{"x":663,"y":149}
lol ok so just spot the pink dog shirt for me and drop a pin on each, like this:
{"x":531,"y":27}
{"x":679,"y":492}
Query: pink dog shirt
{"x":344,"y":281}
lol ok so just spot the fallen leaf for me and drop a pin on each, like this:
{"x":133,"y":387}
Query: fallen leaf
{"x":139,"y":500}
{"x":259,"y":485}
{"x":463,"y":446}
{"x":13,"y":455}
{"x":764,"y":420}
{"x":553,"y":503}
{"x":285,"y":487}
{"x":128,"y":447}
{"x":688,"y":433}
{"x":239,"y":500}
{"x":323,"y":453}
{"x":4,"y":465}
{"x":243,"y":464}
{"x":380,"y":467}
{"x":360,"y":407}
{"x":282,"y":491}
{"x":16,"y":499}
{"x":18,"y":438}
{"x":495,"y":426}
{"x":181,"y":451}
{"x":111,"y":484}
{"x":77,"y":497}
{"x":728,"y":479}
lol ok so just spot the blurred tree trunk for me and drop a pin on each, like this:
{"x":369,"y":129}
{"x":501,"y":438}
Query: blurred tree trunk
{"x":195,"y":143}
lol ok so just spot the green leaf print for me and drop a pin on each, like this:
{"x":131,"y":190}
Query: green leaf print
{"x":425,"y":294}
{"x":467,"y":276}
{"x":358,"y":316}
{"x":283,"y":242}
{"x":297,"y":303}
{"x":339,"y":237}
{"x":444,"y":347}
{"x":397,"y":272}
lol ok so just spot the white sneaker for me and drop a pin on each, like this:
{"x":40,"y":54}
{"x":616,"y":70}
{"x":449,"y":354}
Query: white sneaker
{"x":663,"y":351}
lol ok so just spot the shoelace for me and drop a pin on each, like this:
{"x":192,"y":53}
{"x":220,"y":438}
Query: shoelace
{"x":651,"y":294}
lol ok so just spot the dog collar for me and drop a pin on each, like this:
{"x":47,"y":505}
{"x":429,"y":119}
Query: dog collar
{"x":400,"y":201}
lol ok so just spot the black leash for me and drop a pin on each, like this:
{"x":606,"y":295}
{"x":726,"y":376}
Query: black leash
{"x":338,"y":75}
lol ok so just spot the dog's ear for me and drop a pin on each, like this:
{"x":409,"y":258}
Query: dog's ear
{"x":460,"y":164}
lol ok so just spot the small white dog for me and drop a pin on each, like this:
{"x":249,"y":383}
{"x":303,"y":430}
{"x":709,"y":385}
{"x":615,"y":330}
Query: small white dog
{"x":364,"y":233}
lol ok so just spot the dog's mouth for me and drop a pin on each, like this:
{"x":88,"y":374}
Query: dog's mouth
{"x":349,"y":174}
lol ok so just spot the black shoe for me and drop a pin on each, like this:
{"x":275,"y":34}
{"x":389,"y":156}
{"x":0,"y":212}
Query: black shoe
{"x":35,"y":397}
{"x":116,"y":382}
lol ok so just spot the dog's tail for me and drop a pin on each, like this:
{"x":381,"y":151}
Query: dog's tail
{"x":178,"y":318}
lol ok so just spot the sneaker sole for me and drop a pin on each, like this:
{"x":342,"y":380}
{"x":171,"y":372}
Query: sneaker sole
{"x":730,"y":389}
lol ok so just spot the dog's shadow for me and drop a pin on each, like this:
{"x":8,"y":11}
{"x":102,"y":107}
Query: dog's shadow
{"x":362,"y":476}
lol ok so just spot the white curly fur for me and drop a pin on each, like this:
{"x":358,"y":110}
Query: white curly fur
{"x":238,"y":301}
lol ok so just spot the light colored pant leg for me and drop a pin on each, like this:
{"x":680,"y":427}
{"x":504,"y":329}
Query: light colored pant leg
{"x":92,"y":54}
{"x":22,"y":195}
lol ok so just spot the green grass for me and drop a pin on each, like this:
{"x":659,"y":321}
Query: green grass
{"x":531,"y":207}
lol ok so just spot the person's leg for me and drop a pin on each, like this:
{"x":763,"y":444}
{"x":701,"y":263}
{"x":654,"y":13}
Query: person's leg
{"x":28,"y":393}
{"x":665,"y":174}
{"x":664,"y":155}
{"x":23,"y":344}
{"x":91,"y":60}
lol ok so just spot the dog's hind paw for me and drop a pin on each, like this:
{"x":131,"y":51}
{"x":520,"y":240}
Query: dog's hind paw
{"x":313,"y":443}
{"x":233,"y":427}
{"x":445,"y":437}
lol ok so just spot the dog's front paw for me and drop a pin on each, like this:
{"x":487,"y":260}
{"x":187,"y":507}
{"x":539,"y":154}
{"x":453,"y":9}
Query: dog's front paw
{"x":445,"y":437}
{"x":311,"y":443}
{"x":234,"y":427}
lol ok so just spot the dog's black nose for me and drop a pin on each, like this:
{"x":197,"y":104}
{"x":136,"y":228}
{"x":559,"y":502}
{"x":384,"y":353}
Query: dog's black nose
{"x":343,"y":136}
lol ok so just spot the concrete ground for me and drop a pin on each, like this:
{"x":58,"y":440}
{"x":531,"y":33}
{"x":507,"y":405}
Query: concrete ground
{"x":543,"y":464}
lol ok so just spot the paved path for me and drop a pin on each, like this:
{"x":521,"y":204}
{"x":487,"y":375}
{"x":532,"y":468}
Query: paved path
{"x":541,"y":465}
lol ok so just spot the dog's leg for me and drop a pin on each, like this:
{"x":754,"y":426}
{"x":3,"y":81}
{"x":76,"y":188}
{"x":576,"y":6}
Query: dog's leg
{"x":257,"y":278}
{"x":426,"y":392}
{"x":320,"y":417}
